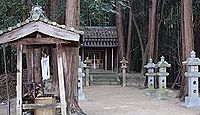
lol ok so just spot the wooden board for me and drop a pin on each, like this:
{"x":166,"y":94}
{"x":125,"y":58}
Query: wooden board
{"x":35,"y":41}
{"x":61,"y":80}
{"x":19,"y":80}
{"x":41,"y":27}
{"x":44,"y":106}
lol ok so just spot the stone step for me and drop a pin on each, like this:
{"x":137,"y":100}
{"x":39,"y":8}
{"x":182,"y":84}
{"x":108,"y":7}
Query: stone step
{"x":105,"y":83}
{"x":105,"y":76}
{"x":102,"y":72}
{"x":105,"y":80}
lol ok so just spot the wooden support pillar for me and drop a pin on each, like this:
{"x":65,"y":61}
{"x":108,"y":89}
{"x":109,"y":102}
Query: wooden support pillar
{"x":37,"y":65}
{"x":106,"y":59}
{"x":112,"y":59}
{"x":82,"y":55}
{"x":29,"y":62}
{"x":61,"y":80}
{"x":54,"y":67}
{"x":19,"y":80}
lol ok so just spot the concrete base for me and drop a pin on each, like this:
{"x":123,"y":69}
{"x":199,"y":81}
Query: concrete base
{"x":192,"y":102}
{"x":81,"y":97}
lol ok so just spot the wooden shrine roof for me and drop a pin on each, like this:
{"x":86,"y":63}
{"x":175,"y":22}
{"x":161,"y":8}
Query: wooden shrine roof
{"x":99,"y":37}
{"x":38,"y":22}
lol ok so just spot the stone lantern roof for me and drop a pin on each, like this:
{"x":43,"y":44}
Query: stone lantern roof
{"x":192,"y":60}
{"x":150,"y":64}
{"x":163,"y":63}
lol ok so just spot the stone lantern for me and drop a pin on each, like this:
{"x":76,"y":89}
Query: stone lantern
{"x":123,"y":67}
{"x":81,"y":74}
{"x":162,"y":74}
{"x":87,"y":68}
{"x":192,"y":100}
{"x":150,"y":74}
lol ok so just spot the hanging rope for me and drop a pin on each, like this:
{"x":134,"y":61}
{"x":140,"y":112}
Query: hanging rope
{"x":6,"y":75}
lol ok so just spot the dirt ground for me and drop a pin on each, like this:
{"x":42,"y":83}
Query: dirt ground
{"x":115,"y":100}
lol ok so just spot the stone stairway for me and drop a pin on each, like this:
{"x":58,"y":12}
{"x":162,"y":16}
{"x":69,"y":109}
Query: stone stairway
{"x":104,"y":77}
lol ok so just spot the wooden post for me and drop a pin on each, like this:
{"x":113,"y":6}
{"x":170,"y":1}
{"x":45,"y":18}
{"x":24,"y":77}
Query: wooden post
{"x":61,"y":80}
{"x":106,"y":59}
{"x":36,"y":64}
{"x":29,"y":62}
{"x":112,"y":59}
{"x":94,"y":63}
{"x":82,"y":54}
{"x":19,"y":80}
{"x":54,"y":67}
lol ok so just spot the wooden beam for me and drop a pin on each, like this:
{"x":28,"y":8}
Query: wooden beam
{"x":41,"y":106}
{"x":112,"y":59}
{"x":35,"y":41}
{"x":61,"y":80}
{"x":41,"y":27}
{"x":29,"y":61}
{"x":19,"y":80}
{"x":54,"y":67}
{"x":82,"y":54}
{"x":106,"y":59}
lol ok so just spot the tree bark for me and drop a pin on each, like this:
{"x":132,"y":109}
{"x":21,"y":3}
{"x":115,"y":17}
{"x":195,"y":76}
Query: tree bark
{"x":120,"y":31}
{"x":72,"y":13}
{"x":130,"y":25}
{"x":187,"y":40}
{"x":71,"y":54}
{"x":152,"y":28}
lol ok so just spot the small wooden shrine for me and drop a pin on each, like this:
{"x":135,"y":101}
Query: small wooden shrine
{"x":47,"y":56}
{"x":100,"y":44}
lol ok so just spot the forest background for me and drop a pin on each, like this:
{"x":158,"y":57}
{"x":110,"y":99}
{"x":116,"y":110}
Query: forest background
{"x":146,"y":29}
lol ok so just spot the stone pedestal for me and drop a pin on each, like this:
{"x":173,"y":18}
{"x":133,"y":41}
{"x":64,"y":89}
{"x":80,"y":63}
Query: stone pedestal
{"x":123,"y":67}
{"x":150,"y":74}
{"x":192,"y":100}
{"x":87,"y":69}
{"x":162,"y":74}
{"x":81,"y":95}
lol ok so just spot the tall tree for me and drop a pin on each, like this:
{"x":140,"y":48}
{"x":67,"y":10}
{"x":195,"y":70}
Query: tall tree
{"x":120,"y":30}
{"x":187,"y":40}
{"x":152,"y":27}
{"x":72,"y":20}
{"x":72,"y":13}
{"x":130,"y":25}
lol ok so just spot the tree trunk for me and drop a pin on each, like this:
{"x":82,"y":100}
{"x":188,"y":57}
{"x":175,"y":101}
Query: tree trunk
{"x":72,"y":20}
{"x":159,"y":14}
{"x":72,"y":13}
{"x":128,"y":49}
{"x":187,"y":40}
{"x":152,"y":28}
{"x":120,"y":31}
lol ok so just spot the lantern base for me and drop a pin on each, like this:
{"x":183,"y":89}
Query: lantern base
{"x":81,"y":96}
{"x":192,"y":102}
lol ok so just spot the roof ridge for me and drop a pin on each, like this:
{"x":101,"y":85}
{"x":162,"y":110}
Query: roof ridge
{"x":37,"y":14}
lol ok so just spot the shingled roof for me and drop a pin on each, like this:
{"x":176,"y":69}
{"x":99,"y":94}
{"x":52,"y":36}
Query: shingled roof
{"x":99,"y":37}
{"x":38,"y":22}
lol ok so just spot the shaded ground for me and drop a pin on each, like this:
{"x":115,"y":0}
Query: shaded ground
{"x":115,"y":100}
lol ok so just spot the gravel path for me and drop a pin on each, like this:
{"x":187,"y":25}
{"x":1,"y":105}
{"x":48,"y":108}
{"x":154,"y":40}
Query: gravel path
{"x":115,"y":100}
